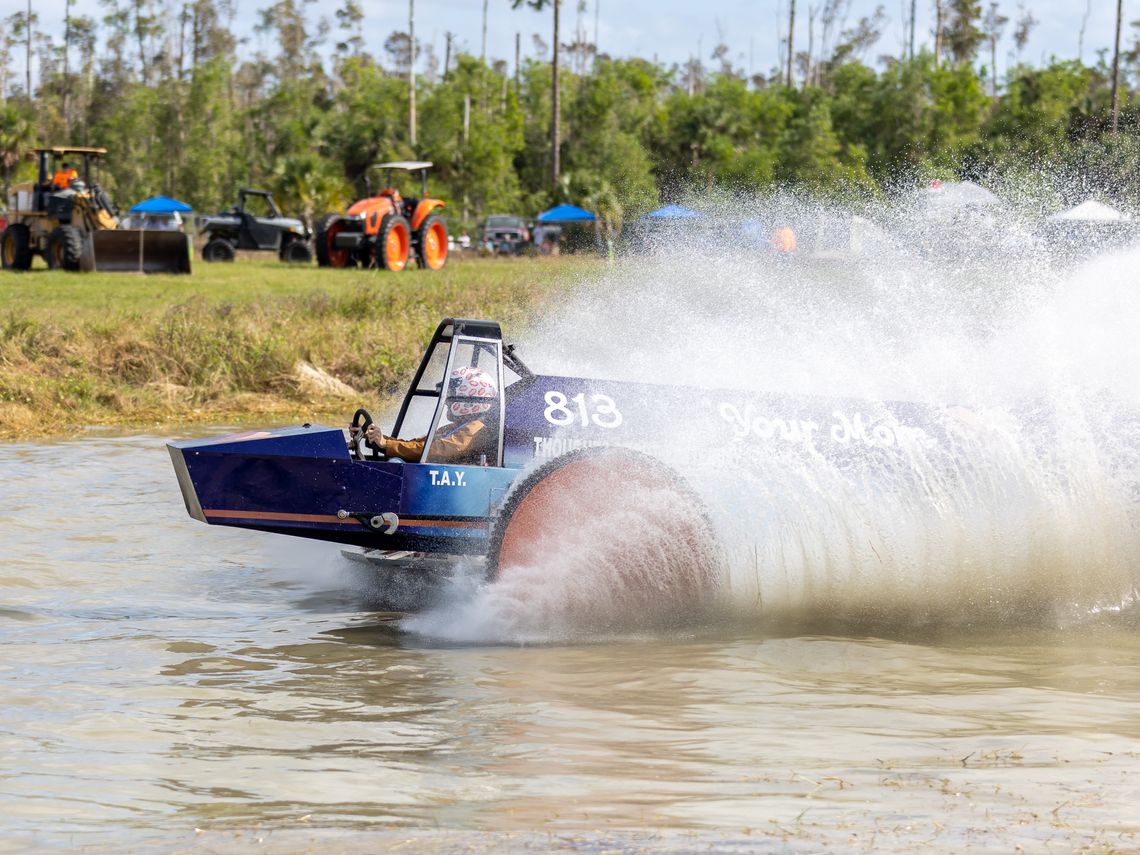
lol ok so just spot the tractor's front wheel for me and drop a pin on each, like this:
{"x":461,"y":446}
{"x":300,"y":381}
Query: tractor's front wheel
{"x":16,"y":247}
{"x":65,"y":248}
{"x":328,"y":254}
{"x":218,"y":249}
{"x":393,"y":243}
{"x":431,"y":243}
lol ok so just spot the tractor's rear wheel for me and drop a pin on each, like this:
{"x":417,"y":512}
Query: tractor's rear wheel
{"x":65,"y":248}
{"x":296,"y":252}
{"x":393,"y":242}
{"x":610,"y":535}
{"x":328,"y":255}
{"x":218,"y":249}
{"x":431,"y":243}
{"x":16,"y":247}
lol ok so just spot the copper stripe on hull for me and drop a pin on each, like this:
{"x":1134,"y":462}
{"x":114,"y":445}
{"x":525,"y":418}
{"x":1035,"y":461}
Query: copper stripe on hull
{"x":271,"y":516}
{"x":413,"y":522}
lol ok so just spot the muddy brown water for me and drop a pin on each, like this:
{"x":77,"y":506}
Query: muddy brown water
{"x":172,"y":686}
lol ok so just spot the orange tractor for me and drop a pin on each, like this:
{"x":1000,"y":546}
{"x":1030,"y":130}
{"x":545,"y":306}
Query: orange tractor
{"x":385,"y":229}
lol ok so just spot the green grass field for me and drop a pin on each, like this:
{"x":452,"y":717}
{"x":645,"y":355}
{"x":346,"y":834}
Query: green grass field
{"x":223,"y":343}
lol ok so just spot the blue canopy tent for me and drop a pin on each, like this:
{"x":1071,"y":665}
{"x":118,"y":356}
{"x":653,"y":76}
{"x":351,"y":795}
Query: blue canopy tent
{"x":157,"y":212}
{"x":673,"y":212}
{"x":663,"y":227}
{"x":161,"y":205}
{"x":566,"y":214}
{"x":563,"y":227}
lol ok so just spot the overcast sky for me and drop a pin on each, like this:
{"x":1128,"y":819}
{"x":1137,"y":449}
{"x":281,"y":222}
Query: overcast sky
{"x":673,"y":30}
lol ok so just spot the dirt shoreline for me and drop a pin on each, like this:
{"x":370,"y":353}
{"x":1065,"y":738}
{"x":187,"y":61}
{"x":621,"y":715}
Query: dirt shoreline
{"x":20,"y":424}
{"x":240,"y":344}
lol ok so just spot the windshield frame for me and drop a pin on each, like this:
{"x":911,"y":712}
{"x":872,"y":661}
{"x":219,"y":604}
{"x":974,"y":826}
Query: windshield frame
{"x":479,"y":343}
{"x":445,"y":334}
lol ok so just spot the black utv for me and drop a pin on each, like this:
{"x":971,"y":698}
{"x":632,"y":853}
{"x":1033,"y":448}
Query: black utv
{"x":255,"y":222}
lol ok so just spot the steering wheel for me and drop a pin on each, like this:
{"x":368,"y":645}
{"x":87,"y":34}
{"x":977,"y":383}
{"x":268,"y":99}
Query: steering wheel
{"x":361,"y":421}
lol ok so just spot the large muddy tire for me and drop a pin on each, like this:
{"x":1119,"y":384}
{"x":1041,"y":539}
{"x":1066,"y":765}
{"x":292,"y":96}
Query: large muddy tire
{"x":431,"y":243}
{"x":65,"y":248}
{"x":296,"y":252}
{"x":608,"y":537}
{"x":328,"y":227}
{"x":393,"y":243}
{"x":218,"y":249}
{"x":16,"y":247}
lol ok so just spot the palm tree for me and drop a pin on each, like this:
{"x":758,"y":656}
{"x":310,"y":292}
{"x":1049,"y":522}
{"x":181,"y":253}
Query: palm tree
{"x":556,"y":106}
{"x":15,"y":133}
{"x":307,"y":184}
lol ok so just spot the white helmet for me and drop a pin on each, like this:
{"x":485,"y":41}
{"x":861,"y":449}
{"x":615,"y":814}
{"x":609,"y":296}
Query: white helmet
{"x":468,"y":392}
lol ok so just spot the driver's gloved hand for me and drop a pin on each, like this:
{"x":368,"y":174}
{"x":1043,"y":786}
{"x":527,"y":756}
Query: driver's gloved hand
{"x":375,"y":437}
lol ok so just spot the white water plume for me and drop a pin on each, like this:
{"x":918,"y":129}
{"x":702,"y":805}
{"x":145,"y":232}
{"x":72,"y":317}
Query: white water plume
{"x":1028,"y":358}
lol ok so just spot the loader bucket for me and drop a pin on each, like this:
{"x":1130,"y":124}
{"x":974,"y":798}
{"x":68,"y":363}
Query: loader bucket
{"x":140,"y":251}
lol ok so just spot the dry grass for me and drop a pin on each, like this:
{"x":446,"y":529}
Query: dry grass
{"x":222,"y":344}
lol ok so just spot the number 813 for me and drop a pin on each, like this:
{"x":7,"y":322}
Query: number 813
{"x":601,"y":410}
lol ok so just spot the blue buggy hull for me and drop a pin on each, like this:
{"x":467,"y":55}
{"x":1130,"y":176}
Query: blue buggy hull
{"x":302,"y":481}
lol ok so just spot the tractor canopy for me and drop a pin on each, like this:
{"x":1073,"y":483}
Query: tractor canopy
{"x":71,"y":149}
{"x":421,"y":166}
{"x":410,"y":165}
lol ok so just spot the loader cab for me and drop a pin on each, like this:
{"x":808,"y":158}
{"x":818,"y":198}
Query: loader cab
{"x":458,"y":343}
{"x":49,"y":199}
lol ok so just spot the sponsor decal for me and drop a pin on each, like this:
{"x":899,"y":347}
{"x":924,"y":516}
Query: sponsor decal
{"x":447,"y":478}
{"x":548,"y":447}
{"x":872,"y":431}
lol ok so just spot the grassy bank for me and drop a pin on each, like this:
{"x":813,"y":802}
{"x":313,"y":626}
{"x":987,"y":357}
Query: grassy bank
{"x":224,"y":343}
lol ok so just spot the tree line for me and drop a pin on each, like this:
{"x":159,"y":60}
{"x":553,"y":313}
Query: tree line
{"x":188,"y":110}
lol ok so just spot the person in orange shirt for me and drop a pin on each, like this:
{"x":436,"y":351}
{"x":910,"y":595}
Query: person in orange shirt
{"x":784,"y":240}
{"x":64,"y":176}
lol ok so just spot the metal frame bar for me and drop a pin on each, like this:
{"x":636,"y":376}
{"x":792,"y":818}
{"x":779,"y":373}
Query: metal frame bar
{"x":479,"y":344}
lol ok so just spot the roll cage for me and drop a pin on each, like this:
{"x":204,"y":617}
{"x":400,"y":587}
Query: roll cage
{"x":274,"y":211}
{"x":457,"y":342}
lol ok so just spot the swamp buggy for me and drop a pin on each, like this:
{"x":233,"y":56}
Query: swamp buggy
{"x":569,"y":454}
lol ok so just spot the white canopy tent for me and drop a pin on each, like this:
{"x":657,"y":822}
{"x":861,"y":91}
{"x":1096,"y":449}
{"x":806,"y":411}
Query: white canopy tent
{"x":1089,"y":211}
{"x":959,"y":194}
{"x":1091,"y":226}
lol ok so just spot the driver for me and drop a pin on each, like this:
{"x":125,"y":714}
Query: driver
{"x":64,"y":176}
{"x":467,"y":440}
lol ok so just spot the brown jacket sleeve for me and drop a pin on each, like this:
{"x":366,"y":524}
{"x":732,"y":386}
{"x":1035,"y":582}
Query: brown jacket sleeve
{"x":449,"y":448}
{"x":405,"y":449}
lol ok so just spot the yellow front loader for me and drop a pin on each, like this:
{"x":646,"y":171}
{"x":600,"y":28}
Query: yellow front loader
{"x":66,"y":217}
